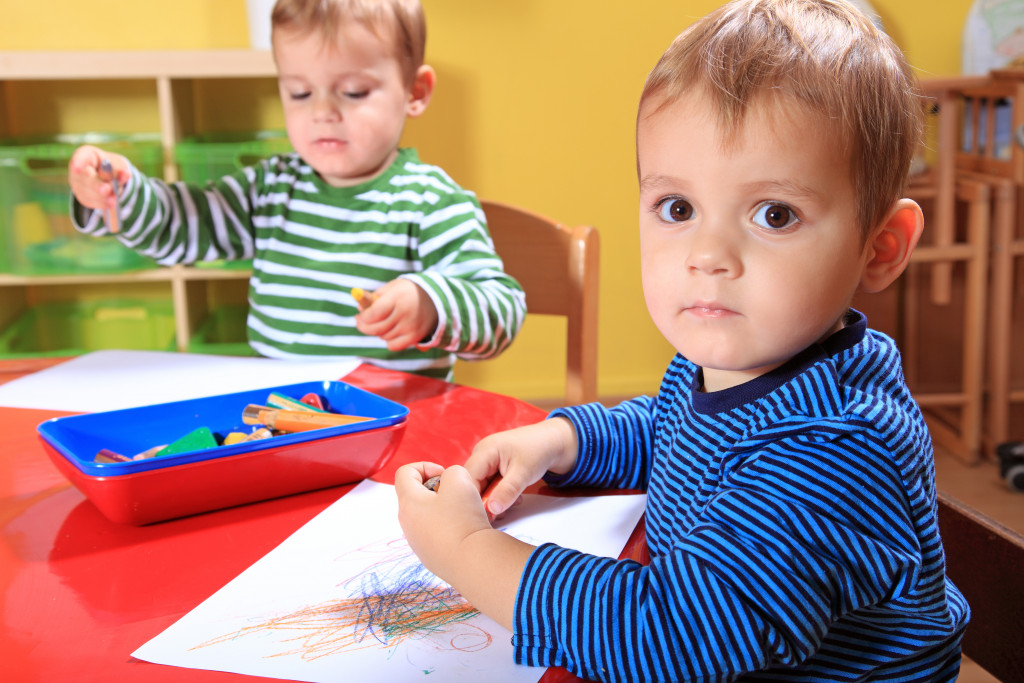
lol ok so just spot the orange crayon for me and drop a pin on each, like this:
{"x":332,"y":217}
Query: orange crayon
{"x":363,"y":298}
{"x":295,"y":420}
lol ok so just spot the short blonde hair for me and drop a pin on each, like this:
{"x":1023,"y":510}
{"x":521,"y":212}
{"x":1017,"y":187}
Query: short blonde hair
{"x":824,"y":54}
{"x":399,"y":20}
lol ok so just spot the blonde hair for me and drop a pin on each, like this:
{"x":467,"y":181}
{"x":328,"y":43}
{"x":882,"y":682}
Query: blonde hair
{"x":825,"y":54}
{"x":399,"y":20}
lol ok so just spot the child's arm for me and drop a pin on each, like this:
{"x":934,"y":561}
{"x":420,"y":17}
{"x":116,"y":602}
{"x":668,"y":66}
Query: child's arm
{"x":168,"y":222}
{"x":480,"y":307}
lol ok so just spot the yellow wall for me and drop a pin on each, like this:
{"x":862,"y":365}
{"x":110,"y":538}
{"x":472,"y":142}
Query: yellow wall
{"x":534,"y":105}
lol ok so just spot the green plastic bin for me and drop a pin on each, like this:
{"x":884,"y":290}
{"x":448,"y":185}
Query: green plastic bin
{"x":35,"y":224}
{"x":222,"y":333}
{"x":69,"y":328}
{"x":214,"y":155}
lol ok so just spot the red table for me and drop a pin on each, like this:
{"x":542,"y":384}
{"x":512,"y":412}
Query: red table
{"x":80,"y":593}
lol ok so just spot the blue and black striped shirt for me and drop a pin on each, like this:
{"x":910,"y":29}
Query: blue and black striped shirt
{"x":791,"y":523}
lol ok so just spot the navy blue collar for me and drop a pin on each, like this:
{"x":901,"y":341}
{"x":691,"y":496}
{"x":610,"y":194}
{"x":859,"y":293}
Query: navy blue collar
{"x":855,"y":326}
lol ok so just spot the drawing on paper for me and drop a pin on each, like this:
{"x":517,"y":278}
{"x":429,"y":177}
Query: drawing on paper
{"x":394,"y":600}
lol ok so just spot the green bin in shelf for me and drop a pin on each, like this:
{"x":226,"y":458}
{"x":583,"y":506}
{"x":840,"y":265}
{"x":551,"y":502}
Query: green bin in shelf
{"x":222,"y":333}
{"x":35,"y":224}
{"x":211,"y":156}
{"x":69,"y":328}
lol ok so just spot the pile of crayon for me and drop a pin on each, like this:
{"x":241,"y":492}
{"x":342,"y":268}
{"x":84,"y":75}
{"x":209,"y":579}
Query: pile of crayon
{"x":281,"y":415}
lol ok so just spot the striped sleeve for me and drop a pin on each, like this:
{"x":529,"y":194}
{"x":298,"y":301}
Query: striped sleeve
{"x":480,"y":307}
{"x":183,"y":223}
{"x":614,"y":444}
{"x":619,"y":621}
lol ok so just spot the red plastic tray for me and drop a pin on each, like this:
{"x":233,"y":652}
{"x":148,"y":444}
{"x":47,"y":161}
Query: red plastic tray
{"x":182,"y":490}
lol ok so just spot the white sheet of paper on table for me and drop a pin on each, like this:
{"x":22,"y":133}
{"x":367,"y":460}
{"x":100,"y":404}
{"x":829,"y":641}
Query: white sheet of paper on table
{"x":112,"y":380}
{"x":301,"y":612}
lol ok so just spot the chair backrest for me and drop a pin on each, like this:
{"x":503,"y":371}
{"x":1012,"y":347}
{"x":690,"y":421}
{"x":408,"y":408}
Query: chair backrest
{"x":986,"y":562}
{"x":558,"y":268}
{"x":992,"y":114}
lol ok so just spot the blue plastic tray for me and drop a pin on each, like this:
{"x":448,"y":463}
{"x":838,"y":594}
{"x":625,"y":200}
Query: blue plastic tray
{"x":133,"y":430}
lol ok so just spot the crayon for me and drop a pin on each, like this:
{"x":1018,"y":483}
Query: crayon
{"x":112,"y":219}
{"x":363,"y":298}
{"x":278,"y":400}
{"x":106,"y":455}
{"x":433,"y":483}
{"x":259,"y":434}
{"x":234,"y":437}
{"x":295,"y":420}
{"x":314,"y":400}
{"x":149,"y":452}
{"x":198,"y":439}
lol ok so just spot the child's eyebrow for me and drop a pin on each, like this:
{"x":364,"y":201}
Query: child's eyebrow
{"x":653,"y":182}
{"x":787,"y":187}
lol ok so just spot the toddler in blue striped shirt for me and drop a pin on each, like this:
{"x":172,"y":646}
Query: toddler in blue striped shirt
{"x":791,"y":499}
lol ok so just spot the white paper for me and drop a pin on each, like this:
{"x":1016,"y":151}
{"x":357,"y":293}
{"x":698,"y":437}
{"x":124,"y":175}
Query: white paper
{"x":111,"y":380}
{"x":345,"y":599}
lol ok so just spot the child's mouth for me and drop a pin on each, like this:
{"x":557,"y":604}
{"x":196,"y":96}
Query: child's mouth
{"x":708,"y":311}
{"x":329,"y":143}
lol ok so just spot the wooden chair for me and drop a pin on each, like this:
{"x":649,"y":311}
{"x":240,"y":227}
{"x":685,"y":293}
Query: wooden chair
{"x":558,"y":267}
{"x":983,"y":123}
{"x":979,"y":155}
{"x":955,"y":414}
{"x":984,"y":560}
{"x":943,"y":98}
{"x":958,"y":214}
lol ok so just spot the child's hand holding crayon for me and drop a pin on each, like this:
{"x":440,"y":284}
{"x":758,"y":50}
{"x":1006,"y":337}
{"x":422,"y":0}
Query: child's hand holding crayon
{"x":449,"y":531}
{"x":400,"y":313}
{"x":519,"y":457}
{"x":436,"y":521}
{"x":94,"y":176}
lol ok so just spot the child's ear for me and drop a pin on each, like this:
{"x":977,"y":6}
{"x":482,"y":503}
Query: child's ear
{"x":422,"y":89}
{"x":891,"y":244}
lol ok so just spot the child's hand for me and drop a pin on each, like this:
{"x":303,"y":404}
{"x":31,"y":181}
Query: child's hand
{"x":521,"y":456}
{"x":92,"y":188}
{"x":449,"y":532}
{"x":435,"y":524}
{"x":401,"y":314}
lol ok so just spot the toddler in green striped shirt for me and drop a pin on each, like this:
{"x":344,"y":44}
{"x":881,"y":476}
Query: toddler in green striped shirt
{"x":349,"y":209}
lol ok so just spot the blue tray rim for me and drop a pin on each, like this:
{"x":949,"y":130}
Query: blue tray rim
{"x":45,"y":430}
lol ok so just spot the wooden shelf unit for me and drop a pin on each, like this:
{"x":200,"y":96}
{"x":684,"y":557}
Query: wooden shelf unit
{"x":175,"y":75}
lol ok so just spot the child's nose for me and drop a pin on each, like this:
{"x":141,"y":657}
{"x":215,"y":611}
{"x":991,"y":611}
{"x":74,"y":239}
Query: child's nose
{"x":325,"y":108}
{"x":713,"y":251}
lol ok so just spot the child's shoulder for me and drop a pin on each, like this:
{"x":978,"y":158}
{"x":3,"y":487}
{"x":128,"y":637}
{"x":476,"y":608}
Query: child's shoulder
{"x":408,"y":168}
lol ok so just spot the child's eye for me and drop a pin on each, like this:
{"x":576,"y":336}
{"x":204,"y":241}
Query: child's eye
{"x":298,"y":95}
{"x":775,"y":216}
{"x":357,"y":94}
{"x":674,"y":210}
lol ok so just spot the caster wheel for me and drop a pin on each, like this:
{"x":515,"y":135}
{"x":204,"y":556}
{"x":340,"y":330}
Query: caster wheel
{"x":1014,"y":477}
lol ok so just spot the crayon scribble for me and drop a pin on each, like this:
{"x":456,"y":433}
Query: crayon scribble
{"x":394,"y":600}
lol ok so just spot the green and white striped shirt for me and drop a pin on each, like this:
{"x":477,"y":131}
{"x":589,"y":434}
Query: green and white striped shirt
{"x":312,"y":243}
